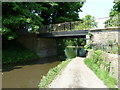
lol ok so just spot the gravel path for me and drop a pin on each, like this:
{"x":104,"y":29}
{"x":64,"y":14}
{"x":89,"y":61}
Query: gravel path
{"x":77,"y":75}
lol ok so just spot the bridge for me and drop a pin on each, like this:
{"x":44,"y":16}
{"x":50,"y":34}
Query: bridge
{"x":69,"y":29}
{"x":66,"y":29}
{"x":46,"y":38}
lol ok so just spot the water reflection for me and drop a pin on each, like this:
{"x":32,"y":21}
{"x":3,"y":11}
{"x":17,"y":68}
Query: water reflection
{"x":27,"y":75}
{"x":73,"y":52}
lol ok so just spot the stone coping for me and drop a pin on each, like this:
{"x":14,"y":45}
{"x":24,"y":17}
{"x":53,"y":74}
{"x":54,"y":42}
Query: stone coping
{"x":109,"y":28}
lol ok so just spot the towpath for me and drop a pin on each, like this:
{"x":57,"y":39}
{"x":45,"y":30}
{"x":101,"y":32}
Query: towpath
{"x":77,"y":75}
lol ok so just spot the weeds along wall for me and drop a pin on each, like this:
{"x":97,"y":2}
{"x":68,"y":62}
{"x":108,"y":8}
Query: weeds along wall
{"x":111,"y":61}
{"x":109,"y":41}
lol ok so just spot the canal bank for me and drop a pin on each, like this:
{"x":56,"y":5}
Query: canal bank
{"x":28,"y":74}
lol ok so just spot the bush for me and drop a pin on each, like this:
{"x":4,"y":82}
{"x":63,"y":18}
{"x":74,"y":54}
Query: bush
{"x":16,"y":53}
{"x":14,"y":56}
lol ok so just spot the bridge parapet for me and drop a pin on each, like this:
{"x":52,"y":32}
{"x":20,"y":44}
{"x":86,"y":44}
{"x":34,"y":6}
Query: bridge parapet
{"x":74,"y":33}
{"x":66,"y":26}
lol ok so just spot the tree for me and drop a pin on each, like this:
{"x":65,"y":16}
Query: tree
{"x":116,"y":8}
{"x":114,"y":15}
{"x":58,"y":12}
{"x":20,"y":15}
{"x":88,"y":22}
{"x":30,"y":16}
{"x":69,"y":12}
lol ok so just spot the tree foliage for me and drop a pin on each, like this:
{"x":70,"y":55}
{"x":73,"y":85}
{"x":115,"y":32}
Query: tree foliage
{"x":20,"y":15}
{"x":30,"y":16}
{"x":116,"y":8}
{"x":88,"y":22}
{"x":114,"y":15}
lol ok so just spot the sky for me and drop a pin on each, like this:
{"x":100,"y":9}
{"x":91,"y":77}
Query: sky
{"x":98,"y":9}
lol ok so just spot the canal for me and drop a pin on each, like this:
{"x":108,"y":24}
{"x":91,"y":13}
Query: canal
{"x":27,"y":75}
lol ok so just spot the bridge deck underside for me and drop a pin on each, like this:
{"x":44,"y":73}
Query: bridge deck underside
{"x":78,"y":33}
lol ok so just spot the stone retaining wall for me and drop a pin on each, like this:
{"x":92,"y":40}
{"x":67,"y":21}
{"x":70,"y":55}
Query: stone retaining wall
{"x":113,"y":58}
{"x":44,"y":47}
{"x":103,"y":35}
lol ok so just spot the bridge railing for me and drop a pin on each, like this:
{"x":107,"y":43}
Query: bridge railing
{"x":76,"y":25}
{"x":66,"y":26}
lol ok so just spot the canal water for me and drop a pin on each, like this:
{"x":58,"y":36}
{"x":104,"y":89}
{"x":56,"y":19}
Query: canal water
{"x":27,"y":75}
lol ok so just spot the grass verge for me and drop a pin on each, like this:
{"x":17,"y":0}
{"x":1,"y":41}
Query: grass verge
{"x":14,"y":52}
{"x":52,"y":73}
{"x":16,"y":56}
{"x":109,"y":81}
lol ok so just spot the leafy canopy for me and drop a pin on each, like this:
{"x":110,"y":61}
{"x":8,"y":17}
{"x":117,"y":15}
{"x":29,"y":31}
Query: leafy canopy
{"x":30,"y":16}
{"x":20,"y":15}
{"x":88,"y":23}
{"x":114,"y":15}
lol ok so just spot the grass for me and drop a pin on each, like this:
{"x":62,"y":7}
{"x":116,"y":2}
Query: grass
{"x":109,"y":81}
{"x":16,"y":56}
{"x":51,"y":75}
{"x":15,"y":53}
